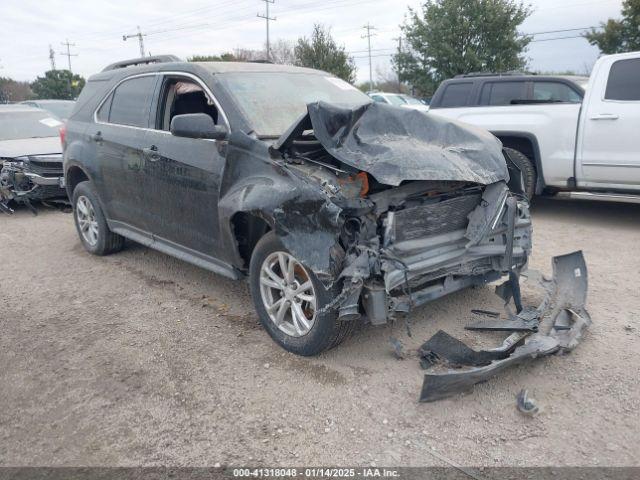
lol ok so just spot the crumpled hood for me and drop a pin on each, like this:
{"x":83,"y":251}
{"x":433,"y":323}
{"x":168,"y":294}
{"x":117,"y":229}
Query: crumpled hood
{"x":395,"y":144}
{"x":29,"y":146}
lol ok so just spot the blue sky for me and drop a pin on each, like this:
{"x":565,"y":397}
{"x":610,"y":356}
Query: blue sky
{"x":213,"y":26}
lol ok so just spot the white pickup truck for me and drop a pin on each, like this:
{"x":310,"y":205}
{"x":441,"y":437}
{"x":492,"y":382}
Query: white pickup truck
{"x":575,"y":134}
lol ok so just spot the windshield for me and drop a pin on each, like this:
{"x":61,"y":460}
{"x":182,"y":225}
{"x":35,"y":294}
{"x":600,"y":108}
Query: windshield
{"x":60,"y":109}
{"x":396,"y":100}
{"x":412,"y":101}
{"x":17,"y":125}
{"x":273,"y":101}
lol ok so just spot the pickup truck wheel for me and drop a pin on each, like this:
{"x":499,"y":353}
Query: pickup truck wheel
{"x":289,"y":300}
{"x":91,"y":224}
{"x":528,"y":170}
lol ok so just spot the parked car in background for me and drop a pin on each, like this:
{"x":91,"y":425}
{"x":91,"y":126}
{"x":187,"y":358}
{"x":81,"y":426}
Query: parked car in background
{"x":399,"y":100}
{"x":30,"y":156}
{"x":60,"y":108}
{"x":333,"y":211}
{"x":574,"y":134}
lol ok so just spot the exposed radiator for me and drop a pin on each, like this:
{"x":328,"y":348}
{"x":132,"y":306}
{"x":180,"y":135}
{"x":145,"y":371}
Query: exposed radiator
{"x":436,"y":218}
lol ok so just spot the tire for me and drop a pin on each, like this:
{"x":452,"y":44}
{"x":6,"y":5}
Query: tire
{"x":528,"y":170}
{"x":325,"y":330}
{"x":96,"y":238}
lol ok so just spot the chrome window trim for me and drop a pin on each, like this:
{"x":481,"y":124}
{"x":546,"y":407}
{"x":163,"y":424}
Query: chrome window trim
{"x":197,"y":79}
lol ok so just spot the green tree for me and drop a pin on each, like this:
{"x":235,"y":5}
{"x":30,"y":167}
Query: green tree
{"x":321,"y":52}
{"x":14,"y":91}
{"x":618,"y":36}
{"x":58,"y":84}
{"x":449,"y":37}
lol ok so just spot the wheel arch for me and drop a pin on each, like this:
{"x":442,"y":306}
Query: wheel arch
{"x":73,"y":175}
{"x":247,"y":229}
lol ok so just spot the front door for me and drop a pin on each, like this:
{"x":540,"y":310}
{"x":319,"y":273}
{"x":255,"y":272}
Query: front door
{"x":182,"y":175}
{"x":608,"y":152}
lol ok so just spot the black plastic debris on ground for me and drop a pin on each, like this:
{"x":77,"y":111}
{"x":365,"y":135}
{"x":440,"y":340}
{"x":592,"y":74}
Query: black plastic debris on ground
{"x":556,"y":325}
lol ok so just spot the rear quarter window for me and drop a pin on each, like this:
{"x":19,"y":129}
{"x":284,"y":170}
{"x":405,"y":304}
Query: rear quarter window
{"x":624,"y":80}
{"x":456,"y":95}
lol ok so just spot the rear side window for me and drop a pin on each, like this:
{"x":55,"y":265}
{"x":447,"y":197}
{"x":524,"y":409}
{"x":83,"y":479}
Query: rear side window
{"x":503,"y":93}
{"x":378,"y":99}
{"x":456,"y":95}
{"x":131,"y":102}
{"x":624,"y":80}
{"x":555,"y":92}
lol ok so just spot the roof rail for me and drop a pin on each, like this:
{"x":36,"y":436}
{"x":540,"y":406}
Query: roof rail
{"x":143,"y":61}
{"x":490,"y":74}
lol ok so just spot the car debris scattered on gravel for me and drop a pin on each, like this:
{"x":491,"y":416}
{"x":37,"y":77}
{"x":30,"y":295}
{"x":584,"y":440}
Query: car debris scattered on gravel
{"x":555,"y":326}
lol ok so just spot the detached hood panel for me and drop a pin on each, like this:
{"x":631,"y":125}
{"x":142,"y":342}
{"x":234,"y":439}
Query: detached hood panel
{"x":395,"y":144}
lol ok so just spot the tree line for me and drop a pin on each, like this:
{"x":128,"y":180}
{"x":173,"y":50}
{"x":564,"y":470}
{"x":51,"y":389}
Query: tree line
{"x":441,"y":39}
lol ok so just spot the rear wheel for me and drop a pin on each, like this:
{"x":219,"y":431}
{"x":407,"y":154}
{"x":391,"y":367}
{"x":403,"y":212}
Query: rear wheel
{"x":291,"y":302}
{"x":527,"y":168}
{"x":91,"y":223}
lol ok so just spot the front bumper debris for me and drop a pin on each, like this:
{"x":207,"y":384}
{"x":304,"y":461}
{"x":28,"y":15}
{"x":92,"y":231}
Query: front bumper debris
{"x":555,"y":326}
{"x":27,"y":179}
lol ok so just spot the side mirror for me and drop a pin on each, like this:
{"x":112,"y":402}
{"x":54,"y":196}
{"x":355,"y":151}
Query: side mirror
{"x":197,"y":125}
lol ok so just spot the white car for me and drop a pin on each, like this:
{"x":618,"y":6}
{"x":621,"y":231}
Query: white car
{"x":573,"y":136}
{"x":399,"y":100}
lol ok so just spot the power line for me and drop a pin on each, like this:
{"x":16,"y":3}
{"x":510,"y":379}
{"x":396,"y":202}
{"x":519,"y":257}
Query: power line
{"x":368,"y":36}
{"x":267,"y":20}
{"x":68,"y":54}
{"x":140,"y":40}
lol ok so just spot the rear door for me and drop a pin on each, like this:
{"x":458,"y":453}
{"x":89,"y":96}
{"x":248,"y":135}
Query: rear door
{"x":122,"y":122}
{"x":182,"y":177}
{"x":608,"y":152}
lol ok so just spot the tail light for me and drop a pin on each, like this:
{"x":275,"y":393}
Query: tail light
{"x":63,"y":134}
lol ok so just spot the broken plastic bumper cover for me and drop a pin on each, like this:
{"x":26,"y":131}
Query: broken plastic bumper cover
{"x":561,"y":321}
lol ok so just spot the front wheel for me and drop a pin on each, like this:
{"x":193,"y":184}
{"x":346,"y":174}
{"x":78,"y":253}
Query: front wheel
{"x":291,"y":302}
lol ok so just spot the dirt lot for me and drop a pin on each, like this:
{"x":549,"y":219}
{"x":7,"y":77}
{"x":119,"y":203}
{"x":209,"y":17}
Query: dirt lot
{"x":139,"y":358}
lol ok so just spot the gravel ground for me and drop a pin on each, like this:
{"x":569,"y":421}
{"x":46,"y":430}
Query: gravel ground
{"x":140,"y":359}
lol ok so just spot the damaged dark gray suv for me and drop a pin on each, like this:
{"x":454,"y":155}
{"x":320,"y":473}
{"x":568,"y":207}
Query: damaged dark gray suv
{"x":336,"y":209}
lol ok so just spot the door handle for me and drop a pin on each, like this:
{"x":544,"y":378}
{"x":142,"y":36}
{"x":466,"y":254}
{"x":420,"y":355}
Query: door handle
{"x":604,"y":116}
{"x":151,"y":153}
{"x":97,"y":137}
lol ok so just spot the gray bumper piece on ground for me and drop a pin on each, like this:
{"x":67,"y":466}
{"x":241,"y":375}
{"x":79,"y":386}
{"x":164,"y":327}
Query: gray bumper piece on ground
{"x":563,"y":320}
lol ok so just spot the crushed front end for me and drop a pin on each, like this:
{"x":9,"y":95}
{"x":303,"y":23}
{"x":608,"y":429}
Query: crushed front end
{"x":31,"y":178}
{"x":432,"y":240}
{"x":419,"y":207}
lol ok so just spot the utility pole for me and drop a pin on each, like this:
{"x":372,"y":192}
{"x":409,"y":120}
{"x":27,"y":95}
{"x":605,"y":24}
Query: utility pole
{"x":399,"y":39}
{"x":139,"y":35}
{"x":368,"y":36}
{"x":52,"y":57}
{"x":68,"y":54}
{"x":267,"y":19}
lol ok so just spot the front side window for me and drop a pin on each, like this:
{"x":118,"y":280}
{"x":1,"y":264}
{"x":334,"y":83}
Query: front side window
{"x":555,"y":92}
{"x":131,"y":101}
{"x":503,"y":93}
{"x":181,"y":96}
{"x":624,"y":80}
{"x":456,"y":95}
